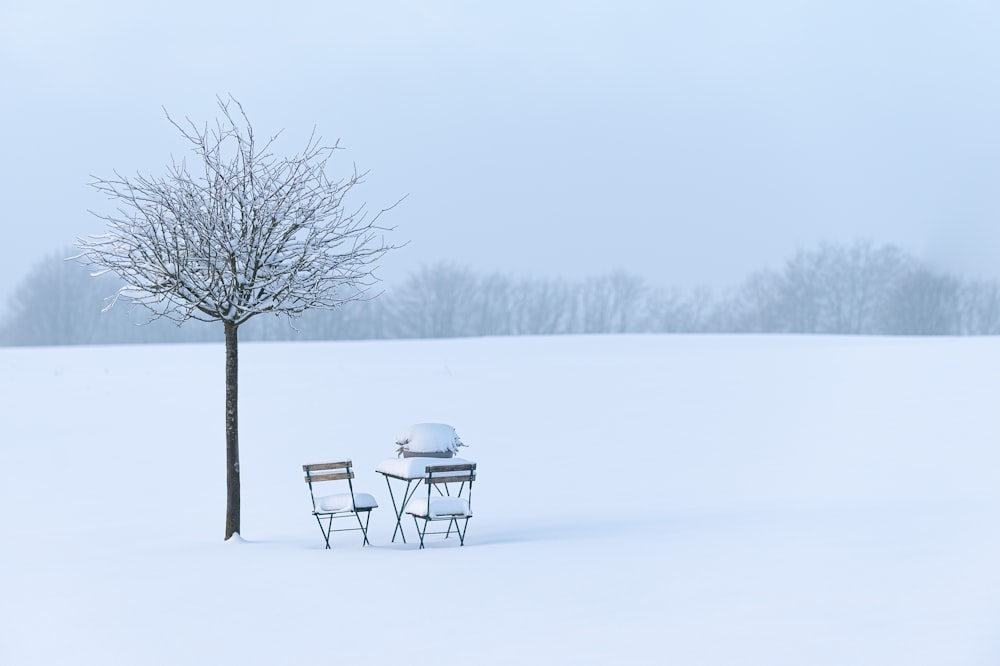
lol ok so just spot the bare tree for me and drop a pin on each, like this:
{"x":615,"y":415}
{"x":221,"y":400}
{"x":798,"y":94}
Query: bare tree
{"x":611,"y":303}
{"x":832,"y":289}
{"x":669,"y":311}
{"x":436,"y":302}
{"x":925,"y":302}
{"x":800,"y":289}
{"x":492,"y":306}
{"x":857,"y":282}
{"x":54,"y":305}
{"x":543,"y":307}
{"x":248,"y":233}
{"x":980,"y":307}
{"x":756,"y":306}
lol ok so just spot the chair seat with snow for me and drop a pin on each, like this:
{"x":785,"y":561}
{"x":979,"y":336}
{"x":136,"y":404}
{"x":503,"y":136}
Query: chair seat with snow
{"x":344,"y":504}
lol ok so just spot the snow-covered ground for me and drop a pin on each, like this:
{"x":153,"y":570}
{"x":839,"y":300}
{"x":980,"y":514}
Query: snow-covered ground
{"x":641,"y":499}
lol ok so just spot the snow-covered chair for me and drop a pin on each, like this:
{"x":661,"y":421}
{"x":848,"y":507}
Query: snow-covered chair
{"x":348,"y":504}
{"x":440,"y":504}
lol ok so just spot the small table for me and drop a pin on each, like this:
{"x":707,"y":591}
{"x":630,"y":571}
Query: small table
{"x":409,"y":470}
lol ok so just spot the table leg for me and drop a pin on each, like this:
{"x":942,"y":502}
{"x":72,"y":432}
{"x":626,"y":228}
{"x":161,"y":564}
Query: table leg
{"x":398,"y":508}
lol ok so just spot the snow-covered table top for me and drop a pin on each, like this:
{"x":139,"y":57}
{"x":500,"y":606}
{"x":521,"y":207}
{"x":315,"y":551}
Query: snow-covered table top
{"x":415,"y":468}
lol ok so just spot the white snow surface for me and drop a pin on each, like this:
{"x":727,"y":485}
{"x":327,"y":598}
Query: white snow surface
{"x":695,"y":500}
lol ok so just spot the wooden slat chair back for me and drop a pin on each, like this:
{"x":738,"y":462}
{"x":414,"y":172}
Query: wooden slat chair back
{"x":449,"y":498}
{"x":348,"y":504}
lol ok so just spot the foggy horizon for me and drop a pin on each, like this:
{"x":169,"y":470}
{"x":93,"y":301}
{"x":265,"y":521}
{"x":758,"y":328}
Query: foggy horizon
{"x":686,"y":143}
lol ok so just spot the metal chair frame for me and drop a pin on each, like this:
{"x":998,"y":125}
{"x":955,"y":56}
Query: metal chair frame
{"x":438,"y":478}
{"x":346,"y":475}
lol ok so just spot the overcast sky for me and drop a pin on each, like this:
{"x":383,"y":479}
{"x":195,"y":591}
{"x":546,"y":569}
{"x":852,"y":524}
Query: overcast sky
{"x":687,"y":142}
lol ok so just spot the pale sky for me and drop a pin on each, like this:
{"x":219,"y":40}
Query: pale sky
{"x":690,"y":143}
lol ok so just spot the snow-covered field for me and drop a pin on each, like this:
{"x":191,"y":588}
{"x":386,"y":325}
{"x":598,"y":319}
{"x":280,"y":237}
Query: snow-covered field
{"x":641,"y":500}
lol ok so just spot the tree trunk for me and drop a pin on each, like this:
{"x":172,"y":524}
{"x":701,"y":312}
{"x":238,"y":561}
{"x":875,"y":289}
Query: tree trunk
{"x":232,"y":433}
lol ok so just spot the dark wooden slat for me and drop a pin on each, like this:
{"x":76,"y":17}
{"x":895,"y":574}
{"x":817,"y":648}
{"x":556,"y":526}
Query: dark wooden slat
{"x":340,"y":464}
{"x":450,"y":468}
{"x":461,"y":478}
{"x":315,"y":478}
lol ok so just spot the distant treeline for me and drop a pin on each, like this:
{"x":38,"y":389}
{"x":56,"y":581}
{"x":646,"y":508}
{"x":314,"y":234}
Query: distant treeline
{"x":833,"y":289}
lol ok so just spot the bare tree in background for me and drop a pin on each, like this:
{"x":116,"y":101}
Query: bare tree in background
{"x":246,"y":233}
{"x":55,"y":303}
{"x":925,"y":303}
{"x":670,"y":311}
{"x":756,"y":306}
{"x":833,"y":289}
{"x":857,"y":280}
{"x":611,"y":303}
{"x":543,"y":307}
{"x":980,"y":308}
{"x":436,"y":302}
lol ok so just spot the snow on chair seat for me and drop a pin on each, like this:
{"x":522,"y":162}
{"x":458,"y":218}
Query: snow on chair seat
{"x":341,"y":502}
{"x":338,"y":505}
{"x":440,"y":504}
{"x":440,"y":507}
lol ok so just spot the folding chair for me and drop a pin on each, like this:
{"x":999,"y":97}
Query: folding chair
{"x":338,"y":505}
{"x":440,"y":504}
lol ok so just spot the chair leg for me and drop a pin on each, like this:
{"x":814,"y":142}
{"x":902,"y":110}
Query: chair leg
{"x":364,"y":526}
{"x":420,"y":532}
{"x":325,"y":531}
